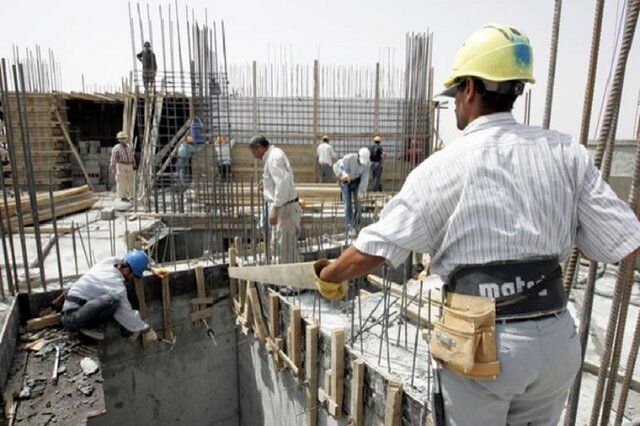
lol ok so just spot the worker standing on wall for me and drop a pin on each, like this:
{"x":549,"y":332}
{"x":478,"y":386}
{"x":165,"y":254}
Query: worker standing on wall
{"x":186,"y":150}
{"x":100,"y":295}
{"x":122,"y":167}
{"x":223,"y":157}
{"x":326,"y":157}
{"x":282,"y":208}
{"x":377,"y":157}
{"x":352,"y":171}
{"x":497,"y":210}
{"x":149,"y":66}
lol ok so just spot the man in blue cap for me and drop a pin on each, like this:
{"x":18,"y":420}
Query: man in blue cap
{"x":100,"y":294}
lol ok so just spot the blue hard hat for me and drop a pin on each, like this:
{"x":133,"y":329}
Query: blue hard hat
{"x":137,"y":261}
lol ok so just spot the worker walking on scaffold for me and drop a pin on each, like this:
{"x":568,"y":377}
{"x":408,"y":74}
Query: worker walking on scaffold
{"x":149,"y":67}
{"x":497,"y":210}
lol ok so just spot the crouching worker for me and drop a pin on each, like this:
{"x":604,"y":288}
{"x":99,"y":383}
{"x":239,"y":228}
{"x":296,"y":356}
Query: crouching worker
{"x":100,"y":295}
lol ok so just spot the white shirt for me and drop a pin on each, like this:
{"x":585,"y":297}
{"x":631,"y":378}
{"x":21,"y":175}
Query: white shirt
{"x":104,"y":278}
{"x":326,"y":154}
{"x":503,"y":191}
{"x":278,"y":184}
{"x":223,"y":151}
{"x":349,"y":165}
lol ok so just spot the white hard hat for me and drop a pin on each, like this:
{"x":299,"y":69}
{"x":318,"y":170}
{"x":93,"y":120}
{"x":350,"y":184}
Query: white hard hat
{"x":364,"y":156}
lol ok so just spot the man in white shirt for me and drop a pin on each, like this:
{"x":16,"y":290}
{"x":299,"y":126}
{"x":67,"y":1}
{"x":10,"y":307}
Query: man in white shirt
{"x":497,"y":210}
{"x":223,"y":157}
{"x":121,"y":166}
{"x":281,"y":199}
{"x":352,"y":170}
{"x":100,"y":295}
{"x":326,"y":157}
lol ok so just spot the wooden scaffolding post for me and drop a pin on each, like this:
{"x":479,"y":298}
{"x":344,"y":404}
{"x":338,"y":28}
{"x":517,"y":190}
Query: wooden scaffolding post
{"x":311,"y":374}
{"x":202,"y":292}
{"x":337,"y":370}
{"x":357,"y":384}
{"x":257,"y":315}
{"x":293,"y":345}
{"x":233,"y":283}
{"x":393,"y":407}
{"x":274,"y":313}
{"x":142,"y":304}
{"x":166,"y":306}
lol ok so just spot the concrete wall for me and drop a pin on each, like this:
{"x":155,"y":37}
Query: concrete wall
{"x":194,"y":383}
{"x":8,"y":337}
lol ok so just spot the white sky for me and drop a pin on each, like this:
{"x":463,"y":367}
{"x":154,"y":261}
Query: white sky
{"x":92,"y":37}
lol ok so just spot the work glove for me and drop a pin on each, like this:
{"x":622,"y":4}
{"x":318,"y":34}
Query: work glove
{"x":160,"y":272}
{"x":149,"y":336}
{"x":329,"y":290}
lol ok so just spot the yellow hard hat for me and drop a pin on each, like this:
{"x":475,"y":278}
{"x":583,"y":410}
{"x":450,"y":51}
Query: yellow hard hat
{"x":495,"y":52}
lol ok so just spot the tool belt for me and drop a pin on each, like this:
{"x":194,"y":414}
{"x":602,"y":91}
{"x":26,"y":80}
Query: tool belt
{"x":295,"y":200}
{"x":464,"y":338}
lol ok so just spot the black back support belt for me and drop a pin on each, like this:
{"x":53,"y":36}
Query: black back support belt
{"x":521,"y":289}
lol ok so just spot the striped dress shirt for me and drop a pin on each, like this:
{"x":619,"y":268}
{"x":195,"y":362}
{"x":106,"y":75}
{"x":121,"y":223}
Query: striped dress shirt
{"x":503,"y":191}
{"x":121,"y":154}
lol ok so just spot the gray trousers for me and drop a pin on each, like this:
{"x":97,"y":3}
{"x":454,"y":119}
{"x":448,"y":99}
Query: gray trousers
{"x":325,"y":173}
{"x":285,"y":234}
{"x":92,"y":314}
{"x":538,"y":360}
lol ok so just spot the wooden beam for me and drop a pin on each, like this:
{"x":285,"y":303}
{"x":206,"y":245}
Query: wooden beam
{"x":296,"y":275}
{"x":202,"y":301}
{"x":166,"y":309}
{"x":294,"y":344}
{"x":337,"y":370}
{"x":142,"y":304}
{"x":233,"y":283}
{"x":201,"y":314}
{"x":257,"y":315}
{"x":357,"y":384}
{"x":242,"y":294}
{"x":311,"y":374}
{"x":74,"y":151}
{"x":393,"y":406}
{"x":274,"y":314}
{"x":43,"y":322}
{"x":202,"y":291}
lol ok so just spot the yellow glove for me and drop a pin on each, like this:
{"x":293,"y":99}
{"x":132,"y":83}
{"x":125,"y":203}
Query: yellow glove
{"x":329,"y":290}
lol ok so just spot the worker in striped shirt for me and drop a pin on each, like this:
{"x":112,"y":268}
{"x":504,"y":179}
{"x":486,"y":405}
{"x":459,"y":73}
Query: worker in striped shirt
{"x":122,"y":167}
{"x":498,"y":210}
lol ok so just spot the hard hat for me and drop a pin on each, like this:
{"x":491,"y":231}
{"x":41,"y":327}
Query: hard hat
{"x":325,"y":138}
{"x":121,"y":135}
{"x":377,"y":139}
{"x":496,"y":53}
{"x":364,"y":156}
{"x":137,"y":261}
{"x":188,"y":139}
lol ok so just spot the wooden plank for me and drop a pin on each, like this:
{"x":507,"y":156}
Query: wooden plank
{"x":201,"y":289}
{"x":233,"y":283}
{"x":393,"y":406}
{"x":142,"y":304}
{"x":280,"y":351}
{"x":74,"y":151}
{"x":296,"y":275}
{"x":201,"y":314}
{"x":202,"y":301}
{"x":243,"y":293}
{"x":357,"y":391}
{"x":311,"y":373}
{"x":294,"y":345}
{"x":166,"y":309}
{"x":257,"y":315}
{"x":274,"y":314}
{"x":43,"y":322}
{"x":337,"y":371}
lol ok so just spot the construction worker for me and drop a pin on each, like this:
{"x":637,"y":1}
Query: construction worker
{"x":149,"y":66}
{"x":100,"y":295}
{"x":497,"y":210}
{"x":377,"y":157}
{"x":186,"y":150}
{"x":352,"y":171}
{"x":122,"y":167}
{"x":326,"y":157}
{"x":223,"y":157}
{"x":282,"y":210}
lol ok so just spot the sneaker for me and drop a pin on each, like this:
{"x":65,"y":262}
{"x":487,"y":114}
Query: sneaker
{"x":93,"y":333}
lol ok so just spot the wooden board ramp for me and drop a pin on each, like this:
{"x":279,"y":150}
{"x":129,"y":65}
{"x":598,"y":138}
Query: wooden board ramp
{"x":296,"y":275}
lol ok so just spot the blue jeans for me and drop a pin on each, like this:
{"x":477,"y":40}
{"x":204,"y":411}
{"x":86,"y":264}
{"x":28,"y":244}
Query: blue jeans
{"x":351,"y":205}
{"x":376,"y":172}
{"x":183,"y":171}
{"x":92,"y":314}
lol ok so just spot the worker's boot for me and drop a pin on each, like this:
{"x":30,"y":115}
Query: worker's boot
{"x":96,"y":333}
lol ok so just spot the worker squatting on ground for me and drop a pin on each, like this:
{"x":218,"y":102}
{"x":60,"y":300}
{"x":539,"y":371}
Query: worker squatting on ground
{"x":377,"y":157}
{"x":326,"y":157}
{"x":223,"y":157}
{"x":282,"y":210}
{"x":186,"y":150}
{"x":100,"y":295}
{"x":149,"y":66}
{"x":352,"y":171}
{"x":122,"y":167}
{"x":497,"y":210}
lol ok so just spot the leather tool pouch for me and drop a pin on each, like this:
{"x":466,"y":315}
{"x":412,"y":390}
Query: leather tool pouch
{"x":464,"y":338}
